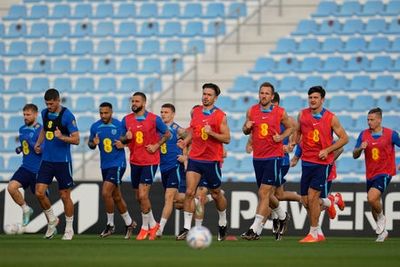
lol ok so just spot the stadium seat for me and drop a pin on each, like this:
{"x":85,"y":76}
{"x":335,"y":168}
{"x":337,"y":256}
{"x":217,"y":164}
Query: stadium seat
{"x":126,"y":10}
{"x":388,"y":103}
{"x":41,"y":66}
{"x":392,"y":8}
{"x":2,"y":124}
{"x":284,"y":46}
{"x":126,"y":29}
{"x":394,"y":26}
{"x":326,"y":9}
{"x":293,"y":103}
{"x":60,"y":29}
{"x":39,"y":48}
{"x":236,"y":10}
{"x":14,"y":162}
{"x":148,"y":29}
{"x":371,"y":8}
{"x":150,"y":65}
{"x":151,"y":85}
{"x":170,"y":10}
{"x":225,"y":103}
{"x":63,"y":84}
{"x":39,"y":102}
{"x":263,"y":65}
{"x":148,"y":10}
{"x":378,"y":44}
{"x":39,"y":85}
{"x":193,"y":28}
{"x":336,"y":83}
{"x":192,"y":10}
{"x":84,"y":85}
{"x":349,"y":147}
{"x":395,"y":47}
{"x":305,"y":27}
{"x":361,"y":123}
{"x":106,"y":65}
{"x":39,"y":12}
{"x":215,"y":28}
{"x":16,"y":30}
{"x":384,"y":83}
{"x":61,"y":11}
{"x":17,"y":85}
{"x":82,"y":29}
{"x":329,"y":27}
{"x":355,"y":44}
{"x":82,"y":11}
{"x":127,"y":47}
{"x":308,"y":45}
{"x":349,"y":8}
{"x":331,"y":45}
{"x":230,"y":164}
{"x":149,"y":47}
{"x":16,"y":12}
{"x":313,"y":81}
{"x":356,"y":64}
{"x":380,"y":64}
{"x":264,"y":79}
{"x":16,"y":103}
{"x":2,"y":49}
{"x":104,"y":29}
{"x":245,"y":165}
{"x":310,"y":64}
{"x":339,"y":102}
{"x":171,"y":28}
{"x":375,"y":26}
{"x":172,"y":47}
{"x":17,"y":66}
{"x":104,"y":11}
{"x":195,"y":47}
{"x":83,"y":65}
{"x":83,"y":47}
{"x":214,"y":10}
{"x":346,"y":121}
{"x":243,"y":84}
{"x":396,"y":66}
{"x":61,"y":48}
{"x":363,"y":103}
{"x":84,"y":122}
{"x":17,"y":48}
{"x":352,"y":26}
{"x":286,"y":65}
{"x":128,"y":65}
{"x":289,"y":84}
{"x":391,"y":121}
{"x":107,"y":85}
{"x":360,"y":83}
{"x":173,"y":65}
{"x":2,"y":90}
{"x":84,"y":103}
{"x":243,"y":103}
{"x":333,"y":64}
{"x":112,"y":100}
{"x":105,"y":47}
{"x":347,"y":165}
{"x":2,"y":165}
{"x":129,"y":85}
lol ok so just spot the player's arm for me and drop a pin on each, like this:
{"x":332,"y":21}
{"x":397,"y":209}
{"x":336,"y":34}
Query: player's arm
{"x":295,"y":138}
{"x":337,"y":153}
{"x":93,"y":138}
{"x":39,"y":141}
{"x":342,"y":135}
{"x":249,"y":145}
{"x":289,"y":128}
{"x":73,"y":139}
{"x":166,"y":134}
{"x":126,"y":134}
{"x":248,"y":124}
{"x":224,"y":136}
{"x":185,"y":142}
{"x":359,"y":147}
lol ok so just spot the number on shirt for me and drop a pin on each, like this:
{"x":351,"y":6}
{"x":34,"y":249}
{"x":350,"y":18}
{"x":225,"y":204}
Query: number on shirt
{"x":50,"y":124}
{"x":107,"y":143}
{"x":163,"y":148}
{"x":264,"y":129}
{"x":25,"y":147}
{"x":139,"y":137}
{"x":315,"y":136}
{"x":375,"y":153}
{"x":204,"y":135}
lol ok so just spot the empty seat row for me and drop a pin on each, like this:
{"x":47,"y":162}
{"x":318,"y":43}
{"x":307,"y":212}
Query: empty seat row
{"x":87,"y":65}
{"x":129,"y":10}
{"x":349,"y":27}
{"x":81,"y":47}
{"x":80,"y":85}
{"x":334,"y":44}
{"x":104,"y":29}
{"x":335,"y":83}
{"x":351,"y":8}
{"x":330,"y":64}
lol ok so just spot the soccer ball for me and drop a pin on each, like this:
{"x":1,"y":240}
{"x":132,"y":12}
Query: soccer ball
{"x":14,"y":229}
{"x":199,"y":237}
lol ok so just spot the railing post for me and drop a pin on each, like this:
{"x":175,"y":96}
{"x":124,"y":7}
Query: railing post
{"x":259,"y":18}
{"x":217,"y":25}
{"x":280,"y":8}
{"x":238,"y":31}
{"x":196,"y":69}
{"x":174,"y":62}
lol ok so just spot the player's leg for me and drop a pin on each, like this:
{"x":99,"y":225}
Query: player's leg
{"x":120,"y":203}
{"x":200,"y":201}
{"x":167,"y":210}
{"x":107,"y":195}
{"x":13,"y":189}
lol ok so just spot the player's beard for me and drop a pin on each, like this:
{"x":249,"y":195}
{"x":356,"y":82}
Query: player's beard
{"x":136,"y":109}
{"x":28,"y":122}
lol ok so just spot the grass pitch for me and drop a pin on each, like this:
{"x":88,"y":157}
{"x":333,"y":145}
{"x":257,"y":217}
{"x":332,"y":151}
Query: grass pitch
{"x":114,"y":251}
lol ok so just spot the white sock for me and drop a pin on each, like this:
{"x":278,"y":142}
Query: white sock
{"x":196,"y":201}
{"x":68,"y":223}
{"x":280,"y":212}
{"x":319,"y":230}
{"x":127,"y":218}
{"x":314,"y":231}
{"x":50,"y":215}
{"x":257,"y":223}
{"x":187,"y":219}
{"x":274,"y":215}
{"x":380,"y":215}
{"x":25,"y":208}
{"x":222,"y":218}
{"x":152,"y":221}
{"x":326,"y":202}
{"x":163,"y":222}
{"x":209,"y":198}
{"x":145,"y":221}
{"x":110,"y":218}
{"x":260,"y":229}
{"x":198,"y":222}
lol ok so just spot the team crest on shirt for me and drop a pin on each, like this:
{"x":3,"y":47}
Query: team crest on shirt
{"x":37,"y":125}
{"x":114,"y":131}
{"x":30,"y":135}
{"x":174,"y":126}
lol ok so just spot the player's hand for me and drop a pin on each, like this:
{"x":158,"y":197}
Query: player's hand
{"x":181,"y":158}
{"x":294,"y":161}
{"x":37,"y":149}
{"x":57,"y":133}
{"x":249,"y":124}
{"x":96,"y":140}
{"x":18,"y":150}
{"x":181,"y":144}
{"x":277,"y":138}
{"x":152,"y":148}
{"x":249,"y":148}
{"x":323,"y":154}
{"x":207,"y":129}
{"x":129,"y":134}
{"x":364,"y":145}
{"x":118,"y":144}
{"x":291,"y":146}
{"x":286,"y":149}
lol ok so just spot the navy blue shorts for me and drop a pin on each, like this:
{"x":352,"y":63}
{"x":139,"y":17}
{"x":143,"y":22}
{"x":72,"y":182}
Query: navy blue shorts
{"x":327,"y":190}
{"x":284,"y":171}
{"x":379,"y":182}
{"x":203,"y":182}
{"x":142,"y":174}
{"x":268,"y":172}
{"x":113,"y":175}
{"x":62,"y":171}
{"x":173,"y":178}
{"x":209,"y":171}
{"x":314,"y":176}
{"x":26,"y":178}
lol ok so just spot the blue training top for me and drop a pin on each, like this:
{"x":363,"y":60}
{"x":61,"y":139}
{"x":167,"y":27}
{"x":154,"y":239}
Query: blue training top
{"x":169,"y":151}
{"x":28,"y":136}
{"x":110,"y":156}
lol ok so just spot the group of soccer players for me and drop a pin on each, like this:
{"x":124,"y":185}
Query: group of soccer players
{"x":190,"y":161}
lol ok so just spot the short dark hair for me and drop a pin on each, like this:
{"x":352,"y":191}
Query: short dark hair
{"x":30,"y":106}
{"x":317,"y":89}
{"x":212,"y":86}
{"x":170,"y":106}
{"x":267,"y":84}
{"x":376,"y":111}
{"x":51,"y":94}
{"x":140,"y":94}
{"x":105,"y":105}
{"x":277,"y":98}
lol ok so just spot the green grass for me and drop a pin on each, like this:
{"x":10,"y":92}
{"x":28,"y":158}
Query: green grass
{"x":89,"y":250}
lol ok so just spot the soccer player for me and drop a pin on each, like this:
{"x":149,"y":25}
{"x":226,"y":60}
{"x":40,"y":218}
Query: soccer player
{"x":58,"y":133}
{"x":105,"y":134}
{"x":263,"y":122}
{"x":172,"y":166}
{"x":377,"y":142}
{"x":141,"y":130}
{"x":315,"y":130}
{"x":25,"y":176}
{"x":208,"y":132}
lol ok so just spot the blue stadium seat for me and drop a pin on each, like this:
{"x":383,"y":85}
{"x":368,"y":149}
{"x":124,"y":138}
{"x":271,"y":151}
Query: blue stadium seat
{"x":2,"y":48}
{"x":388,"y":103}
{"x":289,"y":84}
{"x":170,"y":10}
{"x":346,"y":121}
{"x":149,"y":47}
{"x":39,"y":48}
{"x":225,"y":102}
{"x":148,"y":29}
{"x":396,"y":66}
{"x":360,"y":123}
{"x":355,"y":44}
{"x":83,"y":47}
{"x":349,"y":9}
{"x":84,"y":103}
{"x":129,"y":85}
{"x":214,"y":10}
{"x":245,"y":165}
{"x":215,"y":28}
{"x":16,"y":30}
{"x":171,"y":28}
{"x":84,"y":122}
{"x":112,"y":100}
{"x":339,"y":103}
{"x":243,"y":103}
{"x":107,"y":65}
{"x":2,"y":67}
{"x":395,"y":47}
{"x":363,"y":103}
{"x":286,"y":65}
{"x":82,"y":29}
{"x":173,"y":65}
{"x":243,"y":84}
{"x":333,"y":64}
{"x":305,"y":27}
{"x":337,"y":83}
{"x":383,"y":83}
{"x":394,"y":26}
{"x":63,"y":84}
{"x":83,"y":65}
{"x":61,"y":65}
{"x":308,"y":45}
{"x":360,"y":83}
{"x":293,"y":103}
{"x":38,"y":30}
{"x":329,"y":27}
{"x":61,"y":48}
{"x":2,"y":165}
{"x":127,"y":47}
{"x":82,"y":11}
{"x":2,"y":125}
{"x":39,"y":12}
{"x":104,"y":11}
{"x":356,"y":64}
{"x":236,"y":10}
{"x":230,"y":164}
{"x":151,"y":85}
{"x":41,"y":66}
{"x":263,"y":65}
{"x":84,"y":85}
{"x":391,"y":121}
{"x":150,"y":65}
{"x":61,"y":29}
{"x":107,"y":85}
{"x":392,"y":8}
{"x":313,"y":81}
{"x":375,"y":26}
{"x":193,"y":28}
{"x":17,"y":85}
{"x":195,"y":47}
{"x":14,"y":162}
{"x":128,"y":65}
{"x":331,"y":45}
{"x":16,"y":12}
{"x":2,"y":89}
{"x":39,"y":85}
{"x":378,"y":44}
{"x":126,"y":29}
{"x":17,"y":48}
{"x":61,"y":11}
{"x":148,"y":10}
{"x":104,"y":29}
{"x":348,"y":165}
{"x":172,"y":47}
{"x":192,"y":10}
{"x":325,"y":9}
{"x":380,"y":64}
{"x":371,"y":8}
{"x":284,"y":46}
{"x":39,"y":102}
{"x":349,"y":147}
{"x":126,"y":10}
{"x":17,"y":66}
{"x":310,"y":64}
{"x":16,"y":103}
{"x":12,"y":143}
{"x":352,"y":26}
{"x":264,"y":79}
